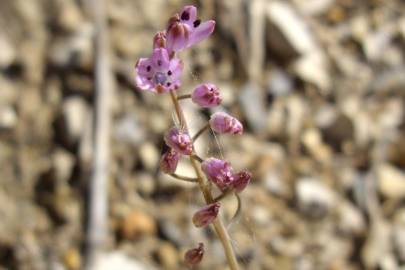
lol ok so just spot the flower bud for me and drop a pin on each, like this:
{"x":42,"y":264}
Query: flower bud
{"x":169,"y":160}
{"x":179,"y":140}
{"x":195,"y":255}
{"x":219,"y":172}
{"x":159,"y":41}
{"x":206,"y":95}
{"x":206,"y":215}
{"x":222,"y":122}
{"x":177,"y":36}
{"x":241,"y":180}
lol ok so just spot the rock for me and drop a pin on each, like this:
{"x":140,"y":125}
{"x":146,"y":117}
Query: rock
{"x":313,"y":67}
{"x":8,"y":118}
{"x":314,"y":7}
{"x":128,"y":130}
{"x":280,"y":83}
{"x":7,"y":52}
{"x":69,"y":17}
{"x":74,"y":112}
{"x":72,"y":259}
{"x":149,"y":156}
{"x":312,"y":140}
{"x":118,"y":260}
{"x":391,"y":181}
{"x":339,"y":132}
{"x":62,"y":164}
{"x":351,"y":220}
{"x":287,"y":33}
{"x":376,"y":43}
{"x":168,"y":256}
{"x":314,"y":199}
{"x":252,"y":102}
{"x":137,"y":223}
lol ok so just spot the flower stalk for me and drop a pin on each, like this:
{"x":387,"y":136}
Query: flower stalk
{"x":204,"y":188}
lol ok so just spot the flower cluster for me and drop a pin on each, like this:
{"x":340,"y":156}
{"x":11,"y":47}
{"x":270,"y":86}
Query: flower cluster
{"x":161,"y":73}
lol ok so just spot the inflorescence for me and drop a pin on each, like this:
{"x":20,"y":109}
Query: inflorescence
{"x":161,"y":73}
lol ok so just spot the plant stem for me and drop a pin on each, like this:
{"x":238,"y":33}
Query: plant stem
{"x":184,"y":178}
{"x":183,"y":97}
{"x":204,"y":187}
{"x":201,"y":131}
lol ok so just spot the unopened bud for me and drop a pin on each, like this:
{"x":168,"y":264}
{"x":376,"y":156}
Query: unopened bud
{"x":241,"y":180}
{"x":169,"y":161}
{"x":195,"y":255}
{"x":206,"y":215}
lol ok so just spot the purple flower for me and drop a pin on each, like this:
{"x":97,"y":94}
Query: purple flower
{"x":186,"y":29}
{"x":158,"y":73}
{"x":195,"y":255}
{"x":169,"y":160}
{"x":222,"y":122}
{"x":206,"y":215}
{"x":241,"y":180}
{"x":219,"y":172}
{"x":179,"y":140}
{"x":206,"y":95}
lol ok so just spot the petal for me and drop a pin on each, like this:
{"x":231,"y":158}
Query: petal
{"x":160,"y":59}
{"x":188,"y":14}
{"x":201,"y":32}
{"x":143,"y":83}
{"x":177,"y":37}
{"x":144,"y":67}
{"x":176,"y":68}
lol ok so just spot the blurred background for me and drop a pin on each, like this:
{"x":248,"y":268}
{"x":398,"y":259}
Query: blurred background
{"x":318,"y":84}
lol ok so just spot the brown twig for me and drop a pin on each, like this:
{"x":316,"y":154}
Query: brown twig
{"x":184,"y":178}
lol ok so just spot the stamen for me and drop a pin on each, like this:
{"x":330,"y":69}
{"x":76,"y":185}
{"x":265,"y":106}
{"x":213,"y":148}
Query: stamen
{"x":148,"y":68}
{"x":169,"y":73}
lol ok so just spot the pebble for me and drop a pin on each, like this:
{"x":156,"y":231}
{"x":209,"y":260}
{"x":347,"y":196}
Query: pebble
{"x":74,"y":110}
{"x":391,"y":181}
{"x":137,"y":223}
{"x":314,"y":198}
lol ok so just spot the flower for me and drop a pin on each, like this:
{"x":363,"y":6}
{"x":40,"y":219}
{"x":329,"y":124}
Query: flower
{"x":241,"y":180}
{"x":159,"y":40}
{"x":195,"y":255}
{"x":169,"y":161}
{"x":219,"y":172}
{"x":158,"y":73}
{"x":206,"y":95}
{"x":222,"y":122}
{"x":206,"y":215}
{"x":186,"y":29}
{"x":179,"y":140}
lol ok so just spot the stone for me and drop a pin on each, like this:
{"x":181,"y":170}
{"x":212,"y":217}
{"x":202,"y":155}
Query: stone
{"x":314,"y":198}
{"x":8,"y":117}
{"x":391,"y":181}
{"x":8,"y":54}
{"x":74,"y":112}
{"x":252,"y":102}
{"x":168,"y":256}
{"x":149,"y":156}
{"x":118,"y":260}
{"x":137,"y":223}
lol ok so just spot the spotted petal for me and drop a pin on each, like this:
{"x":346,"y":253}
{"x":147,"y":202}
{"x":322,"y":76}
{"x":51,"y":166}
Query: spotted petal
{"x":201,"y":32}
{"x":160,"y":59}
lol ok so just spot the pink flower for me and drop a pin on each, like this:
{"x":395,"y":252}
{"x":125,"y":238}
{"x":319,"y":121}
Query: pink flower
{"x":195,"y":255}
{"x":206,"y":215}
{"x":206,"y":95}
{"x":158,"y":73}
{"x":179,"y":140}
{"x":186,"y":29}
{"x":222,"y":122}
{"x":219,"y":172}
{"x":169,"y":161}
{"x":241,"y":180}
